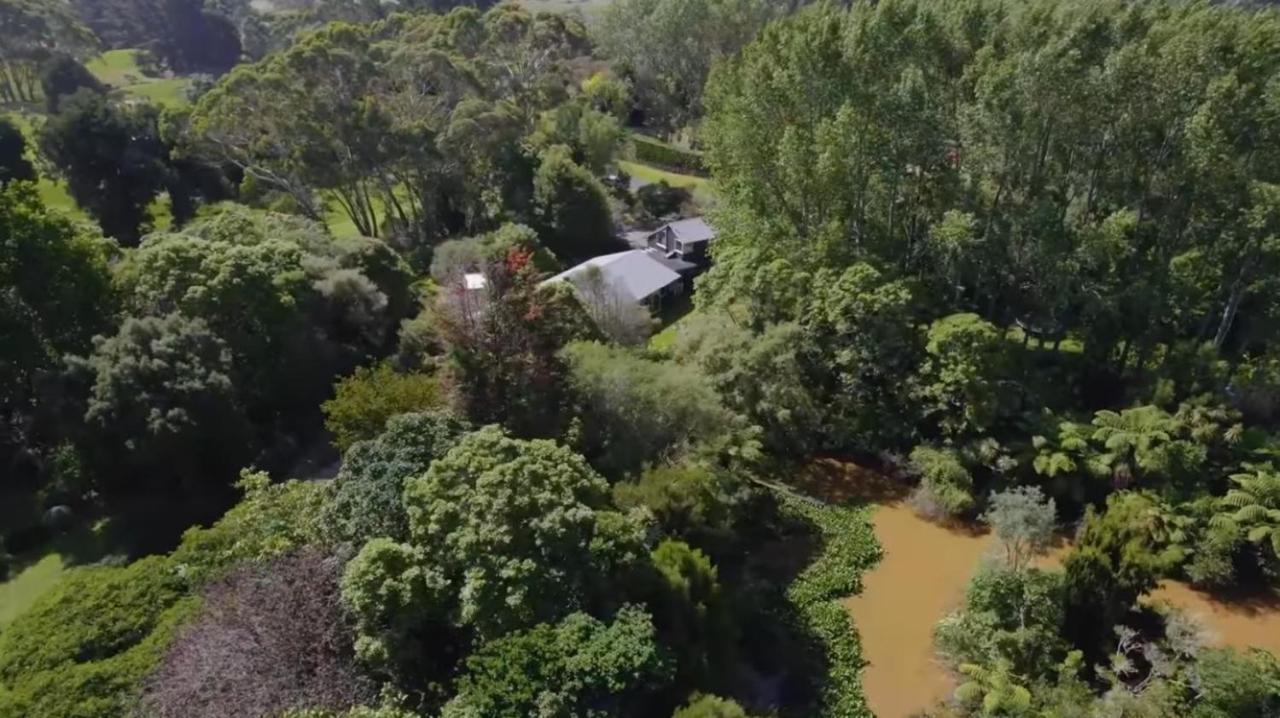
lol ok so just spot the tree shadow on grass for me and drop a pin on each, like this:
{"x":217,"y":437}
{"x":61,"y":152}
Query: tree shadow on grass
{"x":151,"y":525}
{"x":133,"y":529}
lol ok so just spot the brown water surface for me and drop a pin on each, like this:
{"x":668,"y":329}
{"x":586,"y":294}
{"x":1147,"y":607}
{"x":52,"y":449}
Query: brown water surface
{"x":921,"y":578}
{"x":1242,"y":623}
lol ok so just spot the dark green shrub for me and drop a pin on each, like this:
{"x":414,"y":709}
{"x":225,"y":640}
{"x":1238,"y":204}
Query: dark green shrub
{"x":660,"y":154}
{"x":1238,"y":685}
{"x":690,"y":501}
{"x":661,"y":199}
{"x":581,"y":666}
{"x":367,"y":491}
{"x":692,"y":614}
{"x":1212,"y":564}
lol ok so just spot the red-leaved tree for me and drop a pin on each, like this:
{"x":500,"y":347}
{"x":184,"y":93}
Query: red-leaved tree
{"x":503,"y":338}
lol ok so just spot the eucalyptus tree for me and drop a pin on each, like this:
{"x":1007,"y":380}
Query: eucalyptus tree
{"x":410,"y":126}
{"x":667,"y":48}
{"x":34,"y":32}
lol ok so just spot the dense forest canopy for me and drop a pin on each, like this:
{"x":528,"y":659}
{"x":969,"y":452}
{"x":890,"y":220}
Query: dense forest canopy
{"x":310,"y":409}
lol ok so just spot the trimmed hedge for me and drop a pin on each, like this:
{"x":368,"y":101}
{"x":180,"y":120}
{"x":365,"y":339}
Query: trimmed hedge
{"x":655,"y":152}
{"x":849,"y":547}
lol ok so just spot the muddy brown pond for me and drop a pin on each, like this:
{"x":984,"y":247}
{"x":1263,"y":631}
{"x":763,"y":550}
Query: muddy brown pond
{"x":923,"y":577}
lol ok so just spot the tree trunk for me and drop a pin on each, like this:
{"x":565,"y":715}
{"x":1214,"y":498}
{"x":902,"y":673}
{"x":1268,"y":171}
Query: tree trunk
{"x":1123,"y":359}
{"x":1229,"y":313}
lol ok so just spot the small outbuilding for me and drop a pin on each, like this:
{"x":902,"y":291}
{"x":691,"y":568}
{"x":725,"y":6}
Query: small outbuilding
{"x":686,"y":240}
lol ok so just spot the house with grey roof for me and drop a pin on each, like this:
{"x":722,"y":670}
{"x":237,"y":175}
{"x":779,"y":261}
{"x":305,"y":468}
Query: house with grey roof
{"x":636,"y":276}
{"x":685,"y":240}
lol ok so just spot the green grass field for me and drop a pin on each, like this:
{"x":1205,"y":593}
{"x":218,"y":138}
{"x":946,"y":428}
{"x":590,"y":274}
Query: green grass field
{"x":120,"y":70}
{"x":646,"y":173}
{"x":168,"y":92}
{"x":664,"y":340}
{"x":117,"y":68}
{"x":703,"y":194}
{"x":53,"y":193}
{"x":586,"y":7}
{"x":342,"y":226}
{"x":17,"y":594}
{"x":35,"y":575}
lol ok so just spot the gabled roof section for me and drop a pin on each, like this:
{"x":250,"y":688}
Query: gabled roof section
{"x":694,"y":229}
{"x":635,"y":275}
{"x":672,"y":261}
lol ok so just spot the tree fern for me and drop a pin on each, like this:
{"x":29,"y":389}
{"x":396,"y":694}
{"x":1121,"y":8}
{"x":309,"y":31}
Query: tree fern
{"x":994,"y":691}
{"x":1254,"y":506}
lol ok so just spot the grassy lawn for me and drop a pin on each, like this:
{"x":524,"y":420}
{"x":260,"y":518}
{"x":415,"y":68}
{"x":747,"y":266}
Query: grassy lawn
{"x":116,"y":67}
{"x":703,"y":195}
{"x":168,"y":92}
{"x":35,"y":574}
{"x":119,"y":69}
{"x":645,"y":173}
{"x":587,"y":7}
{"x":670,"y":317}
{"x":665,"y":339}
{"x":340,"y":223}
{"x":342,"y":226}
{"x":53,"y":193}
{"x":17,"y":594}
